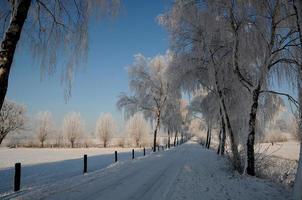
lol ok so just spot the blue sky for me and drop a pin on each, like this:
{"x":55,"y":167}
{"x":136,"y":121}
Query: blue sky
{"x":112,"y":44}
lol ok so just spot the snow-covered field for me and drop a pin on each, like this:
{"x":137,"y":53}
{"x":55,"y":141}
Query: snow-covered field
{"x":286,"y":150}
{"x":48,"y":166}
{"x":186,"y":172}
{"x":30,"y":156}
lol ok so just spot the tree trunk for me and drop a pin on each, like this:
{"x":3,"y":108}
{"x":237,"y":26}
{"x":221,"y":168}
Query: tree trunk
{"x":1,"y":139}
{"x":155,"y":131}
{"x":181,"y":137}
{"x":219,"y":144}
{"x":169,"y":138}
{"x":42,"y":144}
{"x":175,"y":137}
{"x":297,"y":192}
{"x":208,"y":140}
{"x":72,"y":144}
{"x":298,"y":179}
{"x":234,"y":146}
{"x":250,"y":168}
{"x":9,"y":43}
{"x":208,"y":136}
{"x":222,"y":137}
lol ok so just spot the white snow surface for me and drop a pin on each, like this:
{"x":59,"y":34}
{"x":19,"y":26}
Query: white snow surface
{"x":30,"y":156}
{"x":47,"y":166}
{"x":186,"y":172}
{"x":287,"y":150}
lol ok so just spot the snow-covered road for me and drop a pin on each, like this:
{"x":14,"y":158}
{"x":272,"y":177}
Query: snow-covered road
{"x":187,"y":172}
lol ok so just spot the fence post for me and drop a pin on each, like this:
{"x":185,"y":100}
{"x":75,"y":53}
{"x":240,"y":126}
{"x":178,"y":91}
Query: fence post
{"x":132,"y":153}
{"x":115,"y":156}
{"x":17,"y":177}
{"x":144,"y":151}
{"x":158,"y":148}
{"x":163,"y":148}
{"x":85,"y":164}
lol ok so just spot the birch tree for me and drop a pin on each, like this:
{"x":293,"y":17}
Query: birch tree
{"x":49,"y":29}
{"x":234,"y":49}
{"x":195,"y":68}
{"x":172,"y":118}
{"x":272,"y":54}
{"x":149,"y":87}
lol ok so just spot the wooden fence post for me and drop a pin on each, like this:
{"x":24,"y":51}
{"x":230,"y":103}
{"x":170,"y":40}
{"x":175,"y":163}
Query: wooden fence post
{"x":85,"y":164}
{"x":17,"y":177}
{"x":144,"y":151}
{"x":132,"y":153}
{"x":115,"y":156}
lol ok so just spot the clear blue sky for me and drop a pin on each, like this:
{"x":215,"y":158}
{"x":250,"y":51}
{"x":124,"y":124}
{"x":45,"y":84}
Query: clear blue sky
{"x":112,"y":44}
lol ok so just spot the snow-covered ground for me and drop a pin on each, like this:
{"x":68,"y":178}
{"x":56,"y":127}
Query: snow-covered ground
{"x":286,"y":150}
{"x":46,"y":166}
{"x":186,"y":172}
{"x":30,"y":156}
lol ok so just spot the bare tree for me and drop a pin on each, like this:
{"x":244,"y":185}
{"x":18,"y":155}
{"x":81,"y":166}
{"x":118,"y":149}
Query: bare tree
{"x":44,"y":126}
{"x":12,"y":118}
{"x":73,"y":127}
{"x":105,"y":128}
{"x":51,"y":28}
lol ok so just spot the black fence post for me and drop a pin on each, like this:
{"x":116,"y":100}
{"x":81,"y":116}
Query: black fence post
{"x":85,"y":164}
{"x":144,"y":151}
{"x":132,"y":153}
{"x":17,"y":177}
{"x":115,"y":156}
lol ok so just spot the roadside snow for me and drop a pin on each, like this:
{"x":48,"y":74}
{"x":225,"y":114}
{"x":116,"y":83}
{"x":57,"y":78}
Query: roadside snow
{"x":187,"y":172}
{"x":47,"y":166}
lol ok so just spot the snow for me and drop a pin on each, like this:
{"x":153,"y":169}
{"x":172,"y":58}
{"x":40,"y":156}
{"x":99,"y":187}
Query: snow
{"x":45,"y":166}
{"x":286,"y":150}
{"x":186,"y":172}
{"x":30,"y":156}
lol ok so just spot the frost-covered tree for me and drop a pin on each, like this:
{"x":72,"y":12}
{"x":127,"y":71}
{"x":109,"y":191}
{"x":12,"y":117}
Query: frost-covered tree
{"x":148,"y":84}
{"x":73,"y":127}
{"x":172,"y":118}
{"x":105,"y":128}
{"x":12,"y":118}
{"x":201,"y":60}
{"x":216,"y":51}
{"x":49,"y":29}
{"x":138,"y":129}
{"x":44,"y":127}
